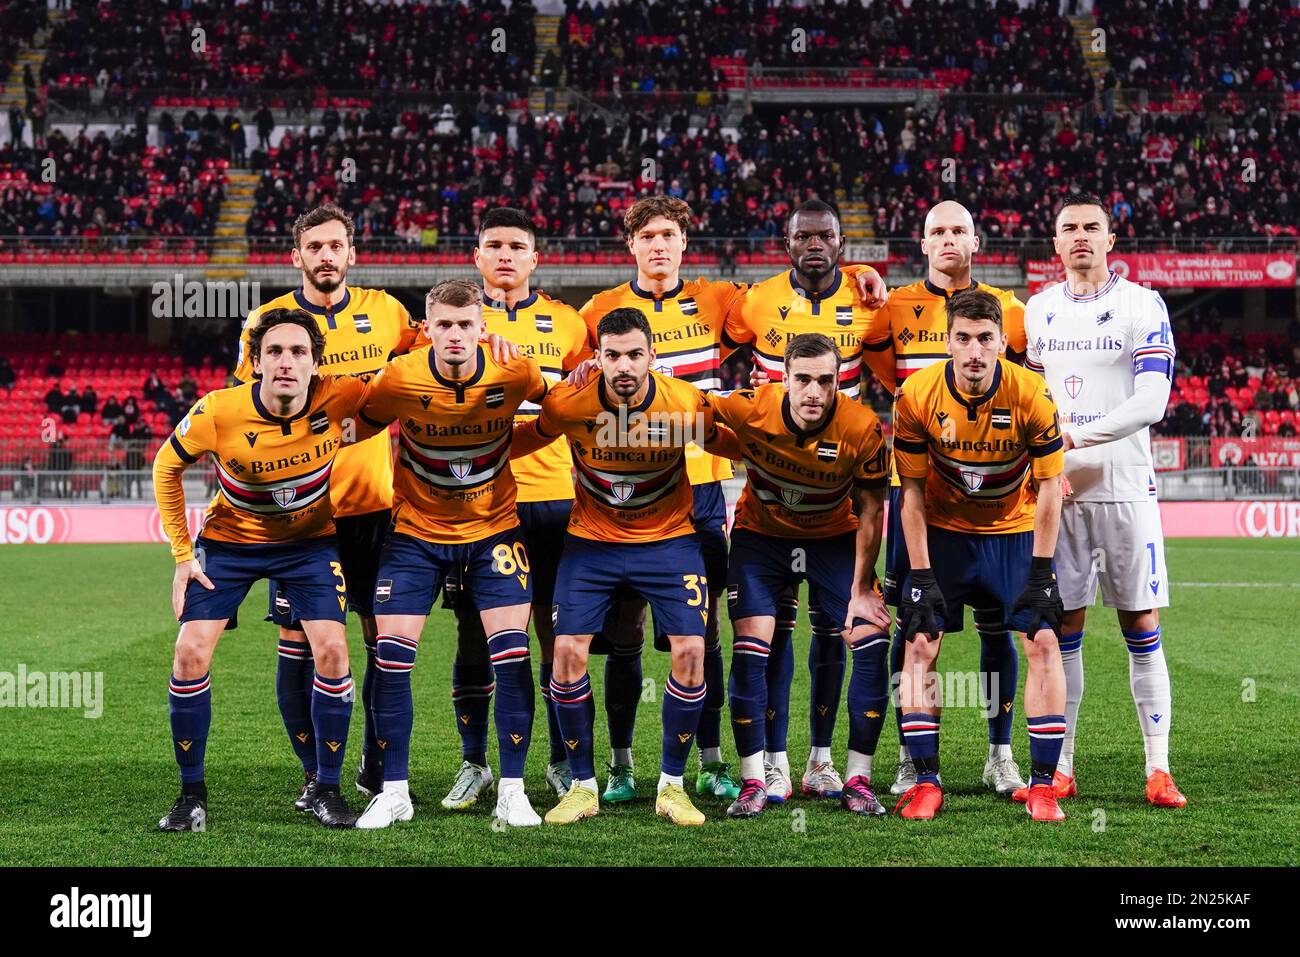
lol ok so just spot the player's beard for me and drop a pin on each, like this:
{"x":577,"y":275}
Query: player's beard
{"x":811,"y":276}
{"x":329,"y":284}
{"x":625,"y":386}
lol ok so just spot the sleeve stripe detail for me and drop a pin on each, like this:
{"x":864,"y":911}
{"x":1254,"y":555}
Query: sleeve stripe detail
{"x":1038,"y":451}
{"x":1031,"y":364}
{"x":180,"y":451}
{"x":378,"y":425}
{"x":541,"y":431}
{"x":729,"y":342}
{"x":880,"y":346}
{"x":916,"y":448}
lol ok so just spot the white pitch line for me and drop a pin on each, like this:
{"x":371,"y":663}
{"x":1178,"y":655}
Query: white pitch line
{"x":1236,"y":584}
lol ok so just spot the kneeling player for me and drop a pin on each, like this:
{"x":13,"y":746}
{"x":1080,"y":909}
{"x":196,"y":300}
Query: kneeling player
{"x":805,"y":448}
{"x":969,"y":435}
{"x":453,"y":508}
{"x":273,"y":442}
{"x":630,"y":529}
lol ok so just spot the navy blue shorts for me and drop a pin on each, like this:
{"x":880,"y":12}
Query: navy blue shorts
{"x":361,"y":539}
{"x":413,"y":571}
{"x":669,"y":575}
{"x":983,"y":571}
{"x":762,"y":571}
{"x":309,"y":576}
{"x":544,"y":525}
{"x":897,"y":564}
{"x":710,"y":519}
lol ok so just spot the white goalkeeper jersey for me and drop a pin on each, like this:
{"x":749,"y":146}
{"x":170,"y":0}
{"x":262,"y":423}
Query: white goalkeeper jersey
{"x":1108,"y":359}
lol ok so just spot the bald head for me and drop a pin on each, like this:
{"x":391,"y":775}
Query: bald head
{"x":949,"y":242}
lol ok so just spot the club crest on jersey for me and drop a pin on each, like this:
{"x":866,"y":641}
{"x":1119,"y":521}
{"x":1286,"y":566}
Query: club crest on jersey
{"x":1000,"y":418}
{"x":383,"y":590}
{"x":495,"y":396}
{"x":973,"y":480}
{"x":622,"y":491}
{"x":1073,"y":385}
{"x":1106,"y":317}
{"x":319,"y":422}
{"x":460,"y":467}
{"x":362,"y":322}
{"x":844,"y":315}
{"x":251,"y":437}
{"x":791,"y":496}
{"x":827,"y":451}
{"x":543,"y":323}
{"x":284,"y":496}
{"x":689,"y":306}
{"x":665,"y":370}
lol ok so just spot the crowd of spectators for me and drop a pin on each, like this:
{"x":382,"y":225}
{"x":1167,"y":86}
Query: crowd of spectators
{"x":131,"y":51}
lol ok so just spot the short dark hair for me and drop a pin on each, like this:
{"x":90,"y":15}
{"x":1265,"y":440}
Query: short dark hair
{"x":810,"y":345}
{"x":457,"y":293}
{"x":506,"y":217}
{"x":284,"y":317}
{"x":324,"y":213}
{"x":1082,"y":199}
{"x":974,"y":304}
{"x":813,"y":206}
{"x":618,"y":322}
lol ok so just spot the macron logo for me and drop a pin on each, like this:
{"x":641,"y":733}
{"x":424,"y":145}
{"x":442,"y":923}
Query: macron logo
{"x":76,"y":910}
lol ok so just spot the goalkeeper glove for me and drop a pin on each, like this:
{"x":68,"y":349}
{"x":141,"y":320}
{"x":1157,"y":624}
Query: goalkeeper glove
{"x":1042,"y":596}
{"x":921,"y":601}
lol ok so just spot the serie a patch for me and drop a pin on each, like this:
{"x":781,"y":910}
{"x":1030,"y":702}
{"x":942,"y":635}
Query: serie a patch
{"x":320,"y":422}
{"x":689,"y":306}
{"x":1001,"y":418}
{"x":362,"y":322}
{"x":827,"y":451}
{"x":544,"y":323}
{"x":844,"y":315}
{"x":494,"y":397}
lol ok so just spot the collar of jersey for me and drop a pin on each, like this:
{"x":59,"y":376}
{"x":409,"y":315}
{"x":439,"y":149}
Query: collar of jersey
{"x":501,"y":303}
{"x":270,"y":416}
{"x":1110,"y":284}
{"x":611,"y":407}
{"x":798,"y":433}
{"x":816,"y":296}
{"x":456,"y":383}
{"x":316,"y":310}
{"x":671,"y":294}
{"x":934,"y":290}
{"x":971,"y":404}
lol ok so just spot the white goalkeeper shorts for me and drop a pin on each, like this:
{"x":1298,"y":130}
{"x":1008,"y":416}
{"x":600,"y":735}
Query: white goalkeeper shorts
{"x":1119,"y":545}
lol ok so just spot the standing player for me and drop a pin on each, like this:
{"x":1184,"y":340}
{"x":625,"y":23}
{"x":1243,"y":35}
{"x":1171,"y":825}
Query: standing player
{"x":630,"y":530}
{"x":454,"y":508}
{"x":1106,"y":348}
{"x":555,"y":336}
{"x":806,"y":449}
{"x":973,"y":436}
{"x":363,"y":329}
{"x":813,"y":295}
{"x":907,"y":335}
{"x":273,"y":443}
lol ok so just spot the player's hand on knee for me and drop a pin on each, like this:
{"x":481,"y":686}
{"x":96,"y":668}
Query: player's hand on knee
{"x":185,"y":573}
{"x":922,"y":601}
{"x":1043,"y":596}
{"x":869,"y":608}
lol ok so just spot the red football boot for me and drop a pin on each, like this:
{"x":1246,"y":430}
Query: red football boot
{"x":1162,"y":792}
{"x":923,"y":802}
{"x":1063,"y":786}
{"x":1042,"y":805}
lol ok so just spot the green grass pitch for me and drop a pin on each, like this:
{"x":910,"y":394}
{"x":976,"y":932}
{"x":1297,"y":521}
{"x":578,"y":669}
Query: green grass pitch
{"x":78,"y":791}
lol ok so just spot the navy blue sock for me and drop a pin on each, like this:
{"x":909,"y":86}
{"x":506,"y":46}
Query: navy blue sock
{"x":921,"y":734}
{"x":371,"y":753}
{"x":294,"y":671}
{"x":558,"y":753}
{"x":868,"y":692}
{"x":826,"y":666}
{"x":999,"y":673}
{"x":897,"y":650}
{"x":471,"y":699}
{"x":681,"y":719}
{"x":715,"y":681}
{"x":623,"y":677}
{"x":189,"y":702}
{"x":577,"y":713}
{"x":1046,"y":732}
{"x":780,"y":675}
{"x":748,"y":689}
{"x":331,"y":712}
{"x":513,"y":666}
{"x":394,"y":708}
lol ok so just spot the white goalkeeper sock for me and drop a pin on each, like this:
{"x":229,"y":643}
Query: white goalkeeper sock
{"x":1072,"y":660}
{"x":1148,"y":679}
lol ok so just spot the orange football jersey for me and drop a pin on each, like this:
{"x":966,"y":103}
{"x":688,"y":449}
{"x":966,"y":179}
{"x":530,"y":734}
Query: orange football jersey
{"x":797,"y":483}
{"x":273,"y":474}
{"x":363,"y":331}
{"x":977,"y":453}
{"x":453,"y":482}
{"x":630,"y":462}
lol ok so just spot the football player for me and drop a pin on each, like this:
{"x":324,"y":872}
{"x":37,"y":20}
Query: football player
{"x":979,"y":455}
{"x":1106,"y":348}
